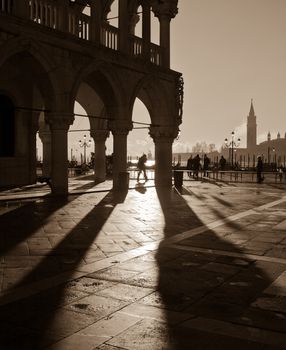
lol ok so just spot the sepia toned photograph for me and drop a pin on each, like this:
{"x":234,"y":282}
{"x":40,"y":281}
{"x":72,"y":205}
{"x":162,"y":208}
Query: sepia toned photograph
{"x":142,"y":174}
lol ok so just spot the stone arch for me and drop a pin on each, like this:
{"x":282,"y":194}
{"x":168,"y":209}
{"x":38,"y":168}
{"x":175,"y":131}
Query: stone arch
{"x":106,"y":83}
{"x":39,"y":56}
{"x":134,"y":4}
{"x":7,"y":126}
{"x":152,"y":93}
{"x":25,"y":69}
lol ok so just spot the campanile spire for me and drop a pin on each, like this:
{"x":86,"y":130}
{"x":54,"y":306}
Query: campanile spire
{"x":251,"y":128}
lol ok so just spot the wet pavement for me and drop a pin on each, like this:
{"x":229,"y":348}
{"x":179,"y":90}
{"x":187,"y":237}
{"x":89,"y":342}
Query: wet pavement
{"x":199,"y":268}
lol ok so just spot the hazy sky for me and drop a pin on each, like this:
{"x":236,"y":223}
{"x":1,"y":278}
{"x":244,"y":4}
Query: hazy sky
{"x":229,"y":51}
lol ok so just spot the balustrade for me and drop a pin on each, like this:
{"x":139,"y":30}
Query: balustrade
{"x":79,"y":25}
{"x":46,"y":12}
{"x":6,"y":6}
{"x":156,"y":54}
{"x":109,"y":36}
{"x":43,"y":12}
{"x":137,"y":50}
{"x":137,"y":45}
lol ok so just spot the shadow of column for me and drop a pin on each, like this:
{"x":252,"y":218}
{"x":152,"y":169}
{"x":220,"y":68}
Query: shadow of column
{"x":26,"y":323}
{"x":198,"y":288}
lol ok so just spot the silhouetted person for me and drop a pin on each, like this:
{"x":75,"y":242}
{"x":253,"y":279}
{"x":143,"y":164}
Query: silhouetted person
{"x":259,"y":169}
{"x":222,"y":163}
{"x":280,"y":172}
{"x":206,"y":165}
{"x":142,"y":167}
{"x":190,"y":165}
{"x":196,"y":165}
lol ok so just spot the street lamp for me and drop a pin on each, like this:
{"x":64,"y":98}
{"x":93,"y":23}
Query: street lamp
{"x":231,"y":145}
{"x":84,"y":144}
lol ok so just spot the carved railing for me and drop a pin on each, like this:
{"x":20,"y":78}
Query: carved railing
{"x":136,"y":46}
{"x":79,"y":25}
{"x":47,"y":13}
{"x":155,"y":54}
{"x":137,"y":50}
{"x":6,"y":6}
{"x":109,"y":36}
{"x":43,"y":12}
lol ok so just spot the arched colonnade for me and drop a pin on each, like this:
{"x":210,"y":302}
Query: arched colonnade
{"x":43,"y":86}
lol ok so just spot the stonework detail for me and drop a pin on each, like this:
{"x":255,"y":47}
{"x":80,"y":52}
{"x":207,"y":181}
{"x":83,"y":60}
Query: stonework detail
{"x":163,"y":133}
{"x":120,"y":127}
{"x":99,"y":135}
{"x":180,"y":97}
{"x":166,"y":8}
{"x":60,"y":121}
{"x":55,"y":62}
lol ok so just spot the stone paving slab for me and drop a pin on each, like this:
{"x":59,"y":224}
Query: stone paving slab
{"x":202,"y":269}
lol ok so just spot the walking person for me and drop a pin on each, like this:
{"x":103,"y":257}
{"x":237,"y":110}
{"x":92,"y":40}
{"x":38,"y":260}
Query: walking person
{"x":280,"y":173}
{"x":206,"y":165}
{"x":196,"y":166}
{"x":142,"y":167}
{"x":259,"y":169}
{"x":190,"y":165}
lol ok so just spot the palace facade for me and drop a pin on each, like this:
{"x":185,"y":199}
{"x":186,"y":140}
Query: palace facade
{"x":56,"y":52}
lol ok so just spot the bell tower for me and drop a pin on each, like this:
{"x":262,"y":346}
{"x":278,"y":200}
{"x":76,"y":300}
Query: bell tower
{"x":251,"y":128}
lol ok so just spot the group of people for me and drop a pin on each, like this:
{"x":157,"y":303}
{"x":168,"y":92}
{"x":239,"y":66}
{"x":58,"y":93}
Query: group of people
{"x":260,"y":167}
{"x":194,"y":164}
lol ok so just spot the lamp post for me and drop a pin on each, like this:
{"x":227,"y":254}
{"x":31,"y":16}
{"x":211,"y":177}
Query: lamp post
{"x":84,"y":144}
{"x":231,"y":145}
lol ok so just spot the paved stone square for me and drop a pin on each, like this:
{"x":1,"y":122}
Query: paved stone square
{"x":199,"y":268}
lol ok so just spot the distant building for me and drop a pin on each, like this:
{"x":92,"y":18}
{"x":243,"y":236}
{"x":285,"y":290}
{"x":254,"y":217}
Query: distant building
{"x":272,"y":150}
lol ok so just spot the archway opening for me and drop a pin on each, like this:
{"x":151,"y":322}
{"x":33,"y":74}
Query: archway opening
{"x":139,"y":24}
{"x":7,"y":127}
{"x":113,"y":14}
{"x":155,"y":29}
{"x":80,"y":143}
{"x":139,"y":141}
{"x":24,"y":77}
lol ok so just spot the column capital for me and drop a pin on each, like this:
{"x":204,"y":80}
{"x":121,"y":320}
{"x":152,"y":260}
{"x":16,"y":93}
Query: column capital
{"x":167,"y":9}
{"x":99,"y":135}
{"x":163,"y":133}
{"x":60,"y":121}
{"x":120,"y":127}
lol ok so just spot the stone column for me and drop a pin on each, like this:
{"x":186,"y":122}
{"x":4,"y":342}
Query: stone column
{"x":165,"y":10}
{"x":120,"y":130}
{"x":63,"y":18}
{"x":123,"y":27}
{"x":146,"y":30}
{"x":45,"y":136}
{"x":59,"y":124}
{"x":95,"y":24}
{"x":99,"y":137}
{"x":163,"y":138}
{"x":22,"y":9}
{"x":33,"y":154}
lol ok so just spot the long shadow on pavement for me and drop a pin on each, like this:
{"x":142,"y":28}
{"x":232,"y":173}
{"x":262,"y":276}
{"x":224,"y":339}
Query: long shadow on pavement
{"x":204,"y":295}
{"x":33,"y":323}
